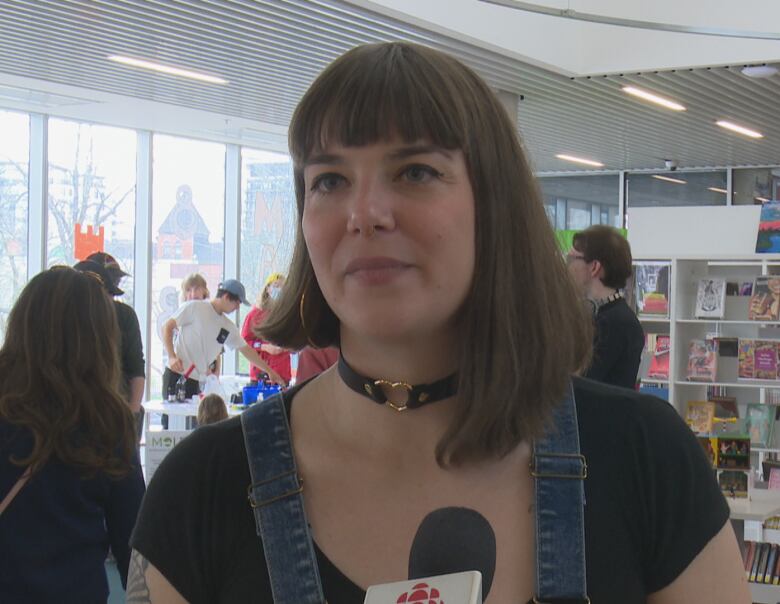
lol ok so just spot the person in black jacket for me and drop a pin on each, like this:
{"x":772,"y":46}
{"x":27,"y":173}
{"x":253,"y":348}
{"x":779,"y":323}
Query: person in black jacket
{"x":131,"y":353}
{"x":600,"y":264}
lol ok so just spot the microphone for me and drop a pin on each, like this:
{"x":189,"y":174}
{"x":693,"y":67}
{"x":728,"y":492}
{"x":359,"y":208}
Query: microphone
{"x":452,"y":560}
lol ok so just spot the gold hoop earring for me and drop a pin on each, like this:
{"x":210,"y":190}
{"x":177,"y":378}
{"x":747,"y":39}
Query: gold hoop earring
{"x":303,"y":322}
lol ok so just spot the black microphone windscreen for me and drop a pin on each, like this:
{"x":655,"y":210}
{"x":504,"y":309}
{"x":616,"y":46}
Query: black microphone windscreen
{"x":454,"y":540}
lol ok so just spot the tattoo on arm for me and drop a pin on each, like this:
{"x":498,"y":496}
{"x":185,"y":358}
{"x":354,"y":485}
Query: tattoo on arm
{"x":137,"y":587}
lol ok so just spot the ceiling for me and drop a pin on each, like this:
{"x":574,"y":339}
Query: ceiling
{"x":53,"y":60}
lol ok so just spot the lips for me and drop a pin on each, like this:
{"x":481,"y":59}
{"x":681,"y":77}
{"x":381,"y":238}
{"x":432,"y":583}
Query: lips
{"x":375,"y":270}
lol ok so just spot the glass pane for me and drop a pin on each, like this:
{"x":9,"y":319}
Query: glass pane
{"x":14,"y":205}
{"x":676,"y":189}
{"x":92,"y":184}
{"x":188,"y":229}
{"x":755,"y":185}
{"x":268,"y":219}
{"x":576,"y":202}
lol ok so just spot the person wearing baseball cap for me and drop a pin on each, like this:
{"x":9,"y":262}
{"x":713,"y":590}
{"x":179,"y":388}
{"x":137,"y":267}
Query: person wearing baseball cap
{"x":115,"y":272}
{"x":106,"y":268}
{"x":204,"y":329}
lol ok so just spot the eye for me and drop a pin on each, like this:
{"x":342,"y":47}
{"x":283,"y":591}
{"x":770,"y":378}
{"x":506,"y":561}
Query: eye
{"x":327,"y":182}
{"x":419,"y":173}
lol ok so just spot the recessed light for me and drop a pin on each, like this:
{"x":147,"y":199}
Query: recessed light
{"x":168,"y":69}
{"x":740,"y":129}
{"x":717,"y":190}
{"x":580,"y":160}
{"x":653,"y":98}
{"x":759,"y":71}
{"x":761,"y":199}
{"x":677,"y":181}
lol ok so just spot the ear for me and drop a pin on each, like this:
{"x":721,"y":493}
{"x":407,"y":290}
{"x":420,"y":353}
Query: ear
{"x":597,"y":270}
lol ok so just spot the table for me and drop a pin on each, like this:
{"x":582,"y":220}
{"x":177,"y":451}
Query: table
{"x":177,"y":412}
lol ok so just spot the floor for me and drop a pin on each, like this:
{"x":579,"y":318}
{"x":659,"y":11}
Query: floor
{"x":117,"y":595}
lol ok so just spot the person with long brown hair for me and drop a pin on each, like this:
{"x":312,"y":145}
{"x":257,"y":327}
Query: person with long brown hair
{"x":70,"y":476}
{"x":424,"y":252}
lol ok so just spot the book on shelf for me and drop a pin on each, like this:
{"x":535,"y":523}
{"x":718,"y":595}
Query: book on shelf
{"x":733,"y":452}
{"x":710,"y":299}
{"x":765,"y":300}
{"x":750,"y":553}
{"x":760,"y":547}
{"x":658,"y":346}
{"x":725,"y":406}
{"x":770,"y":564}
{"x":699,"y":416}
{"x":773,"y":478}
{"x":657,"y":390}
{"x":760,"y":423}
{"x":758,"y":359}
{"x":733,"y":483}
{"x":768,"y":236}
{"x":651,"y":287}
{"x":727,"y":346}
{"x":702,"y":360}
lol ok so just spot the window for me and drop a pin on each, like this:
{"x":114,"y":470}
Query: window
{"x":676,"y":189}
{"x":92,"y":184}
{"x":268,"y":220}
{"x":577,"y":202}
{"x":188,"y":229}
{"x":14,"y":205}
{"x":755,"y":185}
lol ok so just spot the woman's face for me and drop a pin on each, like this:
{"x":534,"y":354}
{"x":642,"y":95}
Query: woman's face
{"x":274,"y":289}
{"x":195,"y":293}
{"x":390,"y":233}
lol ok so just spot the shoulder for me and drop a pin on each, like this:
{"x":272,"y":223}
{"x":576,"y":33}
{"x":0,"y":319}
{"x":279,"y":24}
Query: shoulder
{"x":125,"y":312}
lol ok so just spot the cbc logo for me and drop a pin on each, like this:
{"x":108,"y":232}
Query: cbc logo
{"x":421,"y":593}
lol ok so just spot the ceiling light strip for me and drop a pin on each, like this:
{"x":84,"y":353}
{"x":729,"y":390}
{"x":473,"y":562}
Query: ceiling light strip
{"x":739,"y":129}
{"x":653,"y":98}
{"x":677,"y":181}
{"x":580,"y":160}
{"x":167,"y":69}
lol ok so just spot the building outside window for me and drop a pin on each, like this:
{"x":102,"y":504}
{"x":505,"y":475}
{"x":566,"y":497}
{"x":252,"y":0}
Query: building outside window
{"x":752,"y":186}
{"x":577,"y":202}
{"x":706,"y":188}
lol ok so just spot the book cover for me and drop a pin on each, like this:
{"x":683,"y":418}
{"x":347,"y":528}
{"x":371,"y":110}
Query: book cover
{"x":659,"y":361}
{"x":760,"y":548}
{"x":710,"y":446}
{"x":765,"y":360}
{"x":765,"y":300}
{"x":733,"y":483}
{"x":734,"y":452}
{"x":760,"y":424}
{"x":651,"y":286}
{"x":770,"y":564}
{"x":725,"y":406}
{"x":661,"y":392}
{"x":702,"y":361}
{"x":699,"y":416}
{"x":768,"y":236}
{"x":710,"y":299}
{"x":750,"y":552}
{"x":747,"y":358}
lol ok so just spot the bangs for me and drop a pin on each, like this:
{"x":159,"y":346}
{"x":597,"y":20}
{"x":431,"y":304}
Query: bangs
{"x":409,"y":92}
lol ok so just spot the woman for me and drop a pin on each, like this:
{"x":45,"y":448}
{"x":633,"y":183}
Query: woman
{"x":277,"y":357}
{"x":424,"y":252}
{"x":67,"y":445}
{"x":194,"y":287}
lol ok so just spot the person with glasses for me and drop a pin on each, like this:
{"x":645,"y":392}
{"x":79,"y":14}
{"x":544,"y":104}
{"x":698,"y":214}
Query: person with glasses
{"x":600,"y":263}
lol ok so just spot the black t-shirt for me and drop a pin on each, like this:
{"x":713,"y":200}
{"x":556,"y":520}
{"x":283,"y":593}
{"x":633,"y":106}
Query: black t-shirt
{"x":652,"y":504}
{"x":131,"y":347}
{"x":617,"y":345}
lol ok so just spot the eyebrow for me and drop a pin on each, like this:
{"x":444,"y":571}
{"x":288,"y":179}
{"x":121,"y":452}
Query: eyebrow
{"x":402,"y":153}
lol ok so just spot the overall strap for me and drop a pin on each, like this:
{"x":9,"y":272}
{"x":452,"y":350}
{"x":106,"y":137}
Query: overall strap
{"x":559,"y":472}
{"x":277,"y":501}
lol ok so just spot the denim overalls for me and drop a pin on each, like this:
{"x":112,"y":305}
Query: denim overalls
{"x":557,"y":466}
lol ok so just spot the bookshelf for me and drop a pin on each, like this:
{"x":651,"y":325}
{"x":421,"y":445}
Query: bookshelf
{"x":682,"y":326}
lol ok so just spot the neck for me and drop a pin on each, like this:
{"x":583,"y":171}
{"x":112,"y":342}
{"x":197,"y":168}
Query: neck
{"x":216,"y":306}
{"x":598,"y":291}
{"x":422,"y":361}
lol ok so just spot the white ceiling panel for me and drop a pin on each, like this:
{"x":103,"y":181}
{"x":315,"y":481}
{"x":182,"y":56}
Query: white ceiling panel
{"x":270,"y":51}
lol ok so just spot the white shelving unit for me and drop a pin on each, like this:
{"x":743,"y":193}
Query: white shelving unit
{"x":682,"y":326}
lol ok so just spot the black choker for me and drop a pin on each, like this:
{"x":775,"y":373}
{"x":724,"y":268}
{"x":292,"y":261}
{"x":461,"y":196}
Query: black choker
{"x":417,"y":396}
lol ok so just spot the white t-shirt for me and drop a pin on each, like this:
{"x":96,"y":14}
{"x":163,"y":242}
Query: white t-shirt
{"x":202,"y":334}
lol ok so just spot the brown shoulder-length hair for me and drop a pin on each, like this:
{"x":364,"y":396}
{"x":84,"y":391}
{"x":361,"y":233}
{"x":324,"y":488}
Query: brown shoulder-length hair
{"x":212,"y":409}
{"x":607,"y":245}
{"x":59,"y":374}
{"x":523,"y":330}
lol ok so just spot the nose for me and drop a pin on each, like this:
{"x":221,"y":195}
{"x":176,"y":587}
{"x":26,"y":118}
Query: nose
{"x":371,"y":210}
